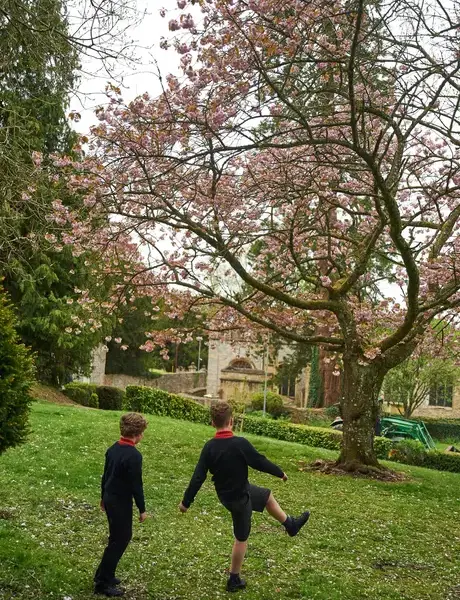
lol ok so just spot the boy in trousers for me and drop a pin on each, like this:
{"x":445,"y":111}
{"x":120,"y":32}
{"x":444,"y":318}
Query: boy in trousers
{"x":227,"y":457}
{"x":121,"y":482}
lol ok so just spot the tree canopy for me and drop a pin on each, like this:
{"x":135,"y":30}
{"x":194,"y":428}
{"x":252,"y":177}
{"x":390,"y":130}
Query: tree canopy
{"x":245,"y":149}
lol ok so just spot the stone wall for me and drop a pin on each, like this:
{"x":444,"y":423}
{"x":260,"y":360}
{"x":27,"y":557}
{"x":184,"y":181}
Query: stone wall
{"x":437,"y":412}
{"x":241,"y":385}
{"x":170,"y":382}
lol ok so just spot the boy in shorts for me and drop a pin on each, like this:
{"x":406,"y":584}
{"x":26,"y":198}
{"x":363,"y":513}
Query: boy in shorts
{"x":227,"y":457}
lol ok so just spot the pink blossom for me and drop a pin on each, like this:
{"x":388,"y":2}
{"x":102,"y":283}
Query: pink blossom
{"x":187,"y":22}
{"x":37,"y":158}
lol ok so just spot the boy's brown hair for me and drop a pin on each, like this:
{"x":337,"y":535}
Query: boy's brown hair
{"x":132,"y":424}
{"x":221,"y":413}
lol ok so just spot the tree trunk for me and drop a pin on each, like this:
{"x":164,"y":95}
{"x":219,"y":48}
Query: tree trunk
{"x":331,"y":383}
{"x":360,"y":410}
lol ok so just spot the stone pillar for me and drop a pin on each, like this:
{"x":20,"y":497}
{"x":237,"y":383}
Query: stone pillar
{"x":456,"y":397}
{"x":213,"y":373}
{"x":99,"y":360}
{"x":302,"y":388}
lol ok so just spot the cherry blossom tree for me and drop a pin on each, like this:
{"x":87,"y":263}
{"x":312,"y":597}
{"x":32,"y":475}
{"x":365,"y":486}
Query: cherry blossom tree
{"x":302,"y":178}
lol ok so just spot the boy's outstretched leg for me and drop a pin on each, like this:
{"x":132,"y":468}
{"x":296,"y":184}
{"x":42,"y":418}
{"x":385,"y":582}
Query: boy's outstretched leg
{"x":275,"y":510}
{"x":235,"y":582}
{"x":292,"y":524}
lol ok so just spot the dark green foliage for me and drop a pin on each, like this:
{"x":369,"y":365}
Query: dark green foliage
{"x":444,"y":431}
{"x":39,"y":61}
{"x":136,"y":319}
{"x":80,"y":392}
{"x":94,"y":401}
{"x":110,"y":398}
{"x":43,"y":292}
{"x":315,"y":392}
{"x":332,"y":411}
{"x":291,"y":367}
{"x":260,"y":414}
{"x":274,"y":403}
{"x":413,"y":453}
{"x":442,"y":461}
{"x":159,"y":402}
{"x":16,"y":376}
{"x":290,"y":432}
{"x":96,"y":396}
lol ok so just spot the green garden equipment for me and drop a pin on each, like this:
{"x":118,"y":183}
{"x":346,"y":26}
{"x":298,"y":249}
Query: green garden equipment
{"x":398,"y":428}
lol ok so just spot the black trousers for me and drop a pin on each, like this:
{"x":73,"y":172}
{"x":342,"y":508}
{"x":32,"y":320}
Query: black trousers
{"x":120,"y":518}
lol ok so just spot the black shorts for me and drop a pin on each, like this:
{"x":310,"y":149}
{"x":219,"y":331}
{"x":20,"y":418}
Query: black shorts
{"x":241,"y":510}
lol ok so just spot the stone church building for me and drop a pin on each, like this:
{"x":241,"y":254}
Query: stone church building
{"x":237,"y":369}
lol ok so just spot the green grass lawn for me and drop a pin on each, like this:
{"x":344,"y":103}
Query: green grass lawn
{"x":365,"y":539}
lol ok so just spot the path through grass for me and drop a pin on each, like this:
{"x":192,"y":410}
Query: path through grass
{"x":365,"y":540}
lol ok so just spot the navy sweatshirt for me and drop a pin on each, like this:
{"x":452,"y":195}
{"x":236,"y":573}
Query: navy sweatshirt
{"x":227,"y":457}
{"x":122,"y":478}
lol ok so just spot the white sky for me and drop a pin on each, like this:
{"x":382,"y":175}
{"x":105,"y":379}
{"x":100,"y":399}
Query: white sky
{"x":137,"y":78}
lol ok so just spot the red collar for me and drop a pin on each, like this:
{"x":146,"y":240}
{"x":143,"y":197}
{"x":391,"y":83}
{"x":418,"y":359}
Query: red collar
{"x":224,"y":434}
{"x":126,"y":442}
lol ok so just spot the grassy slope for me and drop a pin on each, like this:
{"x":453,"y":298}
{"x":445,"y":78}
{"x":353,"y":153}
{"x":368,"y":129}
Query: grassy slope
{"x":365,"y":539}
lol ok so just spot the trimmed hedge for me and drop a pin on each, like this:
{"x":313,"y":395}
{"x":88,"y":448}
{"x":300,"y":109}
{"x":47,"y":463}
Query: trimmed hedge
{"x":80,"y":392}
{"x":159,"y":402}
{"x":412,"y":452}
{"x":290,"y":432}
{"x":442,"y":461}
{"x":444,"y":431}
{"x":95,"y":396}
{"x":110,"y":398}
{"x":317,"y":437}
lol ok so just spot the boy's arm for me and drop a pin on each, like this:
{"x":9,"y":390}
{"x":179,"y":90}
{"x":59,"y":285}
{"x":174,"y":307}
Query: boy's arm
{"x":104,"y":477}
{"x":197,"y":480}
{"x":259,"y":461}
{"x":137,"y":486}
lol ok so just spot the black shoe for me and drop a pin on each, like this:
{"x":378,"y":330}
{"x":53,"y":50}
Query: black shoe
{"x":235,"y":583}
{"x":110,"y":591}
{"x":115,"y":581}
{"x":294,"y":524}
